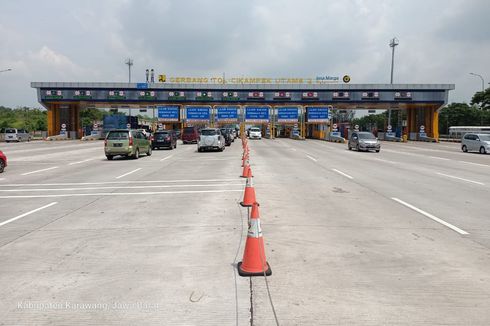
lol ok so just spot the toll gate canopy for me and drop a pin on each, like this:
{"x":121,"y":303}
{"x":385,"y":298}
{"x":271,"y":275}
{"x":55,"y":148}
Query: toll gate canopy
{"x":216,"y":104}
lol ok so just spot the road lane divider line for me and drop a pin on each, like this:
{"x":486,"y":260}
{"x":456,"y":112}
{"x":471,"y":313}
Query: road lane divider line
{"x":311,"y":158}
{"x":381,"y":160}
{"x":125,"y":193}
{"x":119,"y":187}
{"x":166,"y":158}
{"x":28,"y":213}
{"x":440,"y":158}
{"x":432,"y":217}
{"x":131,"y":172}
{"x":462,"y":179}
{"x":80,"y":162}
{"x":342,"y":173}
{"x":113,"y":182}
{"x":42,"y":170}
{"x":472,"y":163}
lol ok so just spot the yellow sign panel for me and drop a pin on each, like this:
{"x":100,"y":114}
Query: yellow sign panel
{"x":247,"y":80}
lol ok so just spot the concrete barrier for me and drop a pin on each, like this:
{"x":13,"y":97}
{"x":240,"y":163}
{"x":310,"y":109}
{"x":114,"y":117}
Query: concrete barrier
{"x":336,"y":139}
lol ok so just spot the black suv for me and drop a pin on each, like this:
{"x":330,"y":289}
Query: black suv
{"x":164,"y":138}
{"x":227,"y":134}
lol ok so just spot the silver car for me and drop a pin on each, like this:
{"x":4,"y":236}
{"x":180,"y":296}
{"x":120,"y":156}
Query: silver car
{"x":476,"y":143}
{"x":363,"y":141}
{"x":18,"y":135}
{"x":210,"y":139}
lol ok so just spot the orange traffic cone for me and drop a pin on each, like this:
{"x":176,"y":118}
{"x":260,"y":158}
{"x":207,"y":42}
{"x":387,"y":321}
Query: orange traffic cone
{"x":254,"y":262}
{"x":247,"y":171}
{"x":249,"y":195}
{"x":245,"y":159}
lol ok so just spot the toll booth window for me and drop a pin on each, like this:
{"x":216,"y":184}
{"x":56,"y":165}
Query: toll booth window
{"x":117,"y":135}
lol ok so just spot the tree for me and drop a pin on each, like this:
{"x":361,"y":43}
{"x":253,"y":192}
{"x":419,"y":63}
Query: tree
{"x":482,"y":99}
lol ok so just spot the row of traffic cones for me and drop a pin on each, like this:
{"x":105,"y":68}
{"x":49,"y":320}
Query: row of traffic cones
{"x":254,"y":262}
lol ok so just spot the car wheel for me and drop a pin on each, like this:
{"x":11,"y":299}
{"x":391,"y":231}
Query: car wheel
{"x":357,"y":147}
{"x":2,"y":166}
{"x":464,"y":148}
{"x":28,"y":139}
{"x":149,"y":152}
{"x":483,"y":150}
{"x":136,"y":154}
{"x":171,"y":147}
{"x":175,"y":146}
{"x":377,"y":151}
{"x":350,"y":148}
{"x":109,"y":157}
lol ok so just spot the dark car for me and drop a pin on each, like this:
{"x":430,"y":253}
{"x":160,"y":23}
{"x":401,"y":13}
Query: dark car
{"x":164,"y":138}
{"x":3,"y":161}
{"x":227,"y":134}
{"x":178,"y":134}
{"x":190,"y":135}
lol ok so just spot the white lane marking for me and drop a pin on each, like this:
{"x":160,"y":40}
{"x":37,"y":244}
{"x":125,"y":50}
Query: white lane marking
{"x":114,"y":182}
{"x":311,"y":158}
{"x":166,"y":158}
{"x":125,"y":174}
{"x":294,"y":149}
{"x":119,"y":187}
{"x":432,"y":217}
{"x":125,"y":193}
{"x":472,"y":163}
{"x":342,"y":173}
{"x":28,"y":213}
{"x":1,"y":179}
{"x":440,"y":158}
{"x":462,"y":179}
{"x":381,"y":160}
{"x":80,"y":162}
{"x":51,"y":168}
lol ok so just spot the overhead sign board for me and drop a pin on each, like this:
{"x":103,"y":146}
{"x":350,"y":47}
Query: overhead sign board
{"x":257,"y":114}
{"x":287,"y":114}
{"x":141,"y":85}
{"x":317,"y":114}
{"x":168,"y":113}
{"x":227,"y":113}
{"x":198,"y":113}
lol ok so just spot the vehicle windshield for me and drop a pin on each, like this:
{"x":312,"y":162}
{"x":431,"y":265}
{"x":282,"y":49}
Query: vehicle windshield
{"x":484,"y":137}
{"x":118,"y":135}
{"x":254,"y":129}
{"x":188,"y":130}
{"x":10,"y":131}
{"x":366,"y":136}
{"x":208,"y":132}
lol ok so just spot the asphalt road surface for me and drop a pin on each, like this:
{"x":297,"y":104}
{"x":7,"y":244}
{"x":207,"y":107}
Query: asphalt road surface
{"x":400,"y":237}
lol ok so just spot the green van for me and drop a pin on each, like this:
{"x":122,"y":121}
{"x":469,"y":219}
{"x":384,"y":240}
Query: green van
{"x":129,"y":143}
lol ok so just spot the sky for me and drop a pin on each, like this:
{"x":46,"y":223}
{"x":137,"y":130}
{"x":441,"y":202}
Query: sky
{"x":71,"y":41}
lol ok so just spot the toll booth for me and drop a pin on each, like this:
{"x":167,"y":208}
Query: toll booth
{"x":259,"y":115}
{"x":316,"y":119}
{"x":169,"y":117}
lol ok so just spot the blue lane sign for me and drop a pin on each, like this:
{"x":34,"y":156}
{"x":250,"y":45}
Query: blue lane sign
{"x":227,"y":113}
{"x":257,"y":114}
{"x":317,"y":114}
{"x":287,"y":114}
{"x":141,"y":85}
{"x":168,"y":113}
{"x":198,"y":113}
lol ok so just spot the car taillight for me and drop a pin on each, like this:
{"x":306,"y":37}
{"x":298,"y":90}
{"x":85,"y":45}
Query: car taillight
{"x":167,"y":138}
{"x":131,"y":141}
{"x":152,"y":138}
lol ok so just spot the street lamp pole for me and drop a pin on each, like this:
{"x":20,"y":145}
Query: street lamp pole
{"x":393,"y":43}
{"x":483,"y":91}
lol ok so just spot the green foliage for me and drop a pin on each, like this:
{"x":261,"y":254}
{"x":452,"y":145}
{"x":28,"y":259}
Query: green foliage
{"x":482,"y":99}
{"x":91,"y":115}
{"x":461,"y":114}
{"x":27,"y":118}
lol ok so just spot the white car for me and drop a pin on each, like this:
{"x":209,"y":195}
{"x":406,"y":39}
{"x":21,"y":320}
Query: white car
{"x":476,"y":143}
{"x":210,"y":139}
{"x":255,"y":133}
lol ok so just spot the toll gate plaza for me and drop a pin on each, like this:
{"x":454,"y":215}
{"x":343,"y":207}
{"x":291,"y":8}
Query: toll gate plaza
{"x":271,"y":105}
{"x":270,"y":231}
